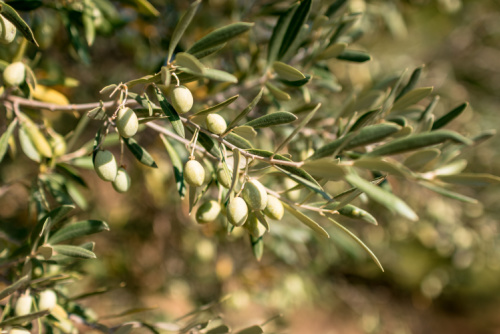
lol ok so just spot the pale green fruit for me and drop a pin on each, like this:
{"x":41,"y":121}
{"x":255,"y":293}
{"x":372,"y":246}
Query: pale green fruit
{"x":208,"y":212}
{"x":58,"y":144}
{"x":274,"y":208}
{"x":122,"y":181}
{"x":237,"y":211}
{"x":47,"y":301}
{"x":7,"y":31}
{"x":19,"y":331}
{"x":14,"y":74}
{"x":23,"y":305}
{"x":255,"y":195}
{"x":181,"y":98}
{"x":254,"y":227}
{"x":223,"y":178}
{"x":126,"y":122}
{"x":194,"y":173}
{"x":216,"y":124}
{"x":105,"y":165}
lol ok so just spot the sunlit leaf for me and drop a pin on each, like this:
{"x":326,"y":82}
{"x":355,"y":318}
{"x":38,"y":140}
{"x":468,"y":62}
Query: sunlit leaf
{"x":325,"y":168}
{"x":421,"y":158}
{"x":78,"y":229}
{"x":332,"y":51}
{"x":220,"y":36}
{"x":278,"y":94}
{"x":276,"y":118}
{"x":189,"y":61}
{"x":381,"y":165}
{"x":306,"y":221}
{"x":140,"y":152}
{"x":471,"y":179}
{"x":209,"y":144}
{"x":74,"y":251}
{"x":287,"y":72}
{"x":411,"y":98}
{"x":217,"y":107}
{"x":10,"y":14}
{"x":177,"y":165}
{"x":238,"y":141}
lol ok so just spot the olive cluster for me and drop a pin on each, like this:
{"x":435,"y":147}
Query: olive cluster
{"x":47,"y":300}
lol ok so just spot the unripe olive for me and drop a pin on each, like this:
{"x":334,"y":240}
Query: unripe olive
{"x":14,"y":74}
{"x":274,"y":208}
{"x":23,"y":305}
{"x":19,"y":331}
{"x":223,"y":177}
{"x":122,"y":181}
{"x":237,"y":211}
{"x":216,"y":124}
{"x":58,"y":144}
{"x":7,"y":31}
{"x":126,"y":122}
{"x":208,"y":212}
{"x":194,"y":173}
{"x":47,"y":301}
{"x":105,"y":165}
{"x":181,"y":98}
{"x":254,"y":227}
{"x":255,"y":195}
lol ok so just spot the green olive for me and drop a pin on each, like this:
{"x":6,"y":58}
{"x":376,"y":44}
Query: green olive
{"x":237,"y":211}
{"x":122,"y":181}
{"x":47,"y":301}
{"x":126,"y":122}
{"x":105,"y":165}
{"x":181,"y":98}
{"x":23,"y":305}
{"x":194,"y":173}
{"x":223,"y":178}
{"x":274,"y":208}
{"x":7,"y":31}
{"x":255,"y":195}
{"x":208,"y":212}
{"x":216,"y":124}
{"x":254,"y":227}
{"x":14,"y":74}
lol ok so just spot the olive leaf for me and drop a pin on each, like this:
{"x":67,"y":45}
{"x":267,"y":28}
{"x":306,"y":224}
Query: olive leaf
{"x":181,"y":27}
{"x":354,"y":56}
{"x":171,"y":114}
{"x":177,"y":165}
{"x":74,"y":251}
{"x":217,"y":107}
{"x":140,"y":152}
{"x":306,"y":221}
{"x":220,"y":36}
{"x":449,"y":116}
{"x":276,"y":118}
{"x":189,"y":61}
{"x":412,"y":82}
{"x":4,"y":140}
{"x":411,"y":98}
{"x":245,"y":111}
{"x":10,"y":14}
{"x":78,"y":229}
{"x":295,"y":24}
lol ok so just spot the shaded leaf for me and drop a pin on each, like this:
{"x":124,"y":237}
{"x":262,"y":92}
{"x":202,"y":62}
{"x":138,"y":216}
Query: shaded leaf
{"x":140,"y":153}
{"x":209,"y":144}
{"x":415,"y":76}
{"x":381,"y":196}
{"x":238,"y":141}
{"x":74,"y":251}
{"x":222,"y":329}
{"x":411,"y":98}
{"x":257,"y":247}
{"x":20,"y":320}
{"x":380,"y":165}
{"x":295,"y":25}
{"x":418,"y":141}
{"x":181,"y":27}
{"x":354,"y":56}
{"x":27,"y":146}
{"x":19,"y":284}
{"x":277,"y":93}
{"x":287,"y":72}
{"x":276,"y":118}
{"x":361,"y":243}
{"x":78,"y":229}
{"x":220,"y":36}
{"x":279,"y":32}
{"x":145,"y":7}
{"x":306,"y":221}
{"x":448,"y":193}
{"x":4,"y":140}
{"x":326,"y":168}
{"x":333,"y":51}
{"x":245,"y":111}
{"x":207,"y":52}
{"x":471,"y":179}
{"x":217,"y":107}
{"x":10,"y":14}
{"x":302,"y":124}
{"x":171,"y":114}
{"x":448,"y":117}
{"x":297,"y":83}
{"x":189,"y":61}
{"x":177,"y":165}
{"x":419,"y":159}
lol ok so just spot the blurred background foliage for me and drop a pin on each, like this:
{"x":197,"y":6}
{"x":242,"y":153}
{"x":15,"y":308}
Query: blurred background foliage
{"x":442,"y":272}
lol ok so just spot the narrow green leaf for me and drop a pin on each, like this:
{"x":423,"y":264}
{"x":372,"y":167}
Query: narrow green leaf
{"x":217,"y":107}
{"x":276,"y":118}
{"x":88,"y":27}
{"x":27,"y":145}
{"x":20,"y":320}
{"x":332,"y":51}
{"x":192,"y":197}
{"x":238,"y":141}
{"x":287,"y":72}
{"x":297,"y":83}
{"x":251,"y":330}
{"x":380,"y":165}
{"x":4,"y":140}
{"x":381,"y":196}
{"x":471,"y":179}
{"x":354,"y":56}
{"x":220,"y":36}
{"x":295,"y":25}
{"x":262,"y":219}
{"x":146,"y":8}
{"x":124,"y":329}
{"x":74,"y":251}
{"x":177,"y":165}
{"x":144,"y":80}
{"x":10,"y":14}
{"x":277,"y":93}
{"x":307,"y":221}
{"x":334,"y":7}
{"x":189,"y":61}
{"x":417,"y":141}
{"x":218,"y":75}
{"x":354,"y":212}
{"x":427,"y":113}
{"x":78,"y":229}
{"x":279,"y":32}
{"x":302,"y":124}
{"x":209,"y":144}
{"x":222,"y":329}
{"x":367,"y":135}
{"x":234,"y":177}
{"x":257,"y":250}
{"x":171,"y":114}
{"x":411,"y":98}
{"x":454,"y":167}
{"x":70,"y":173}
{"x":415,"y":76}
{"x":488,"y":134}
{"x":448,"y":193}
{"x":448,"y":117}
{"x":349,"y":195}
{"x":207,"y":52}
{"x":312,"y":185}
{"x":140,"y":152}
{"x":19,"y":284}
{"x":419,"y":159}
{"x":245,"y":111}
{"x":181,"y":27}
{"x":361,"y":243}
{"x":325,"y":168}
